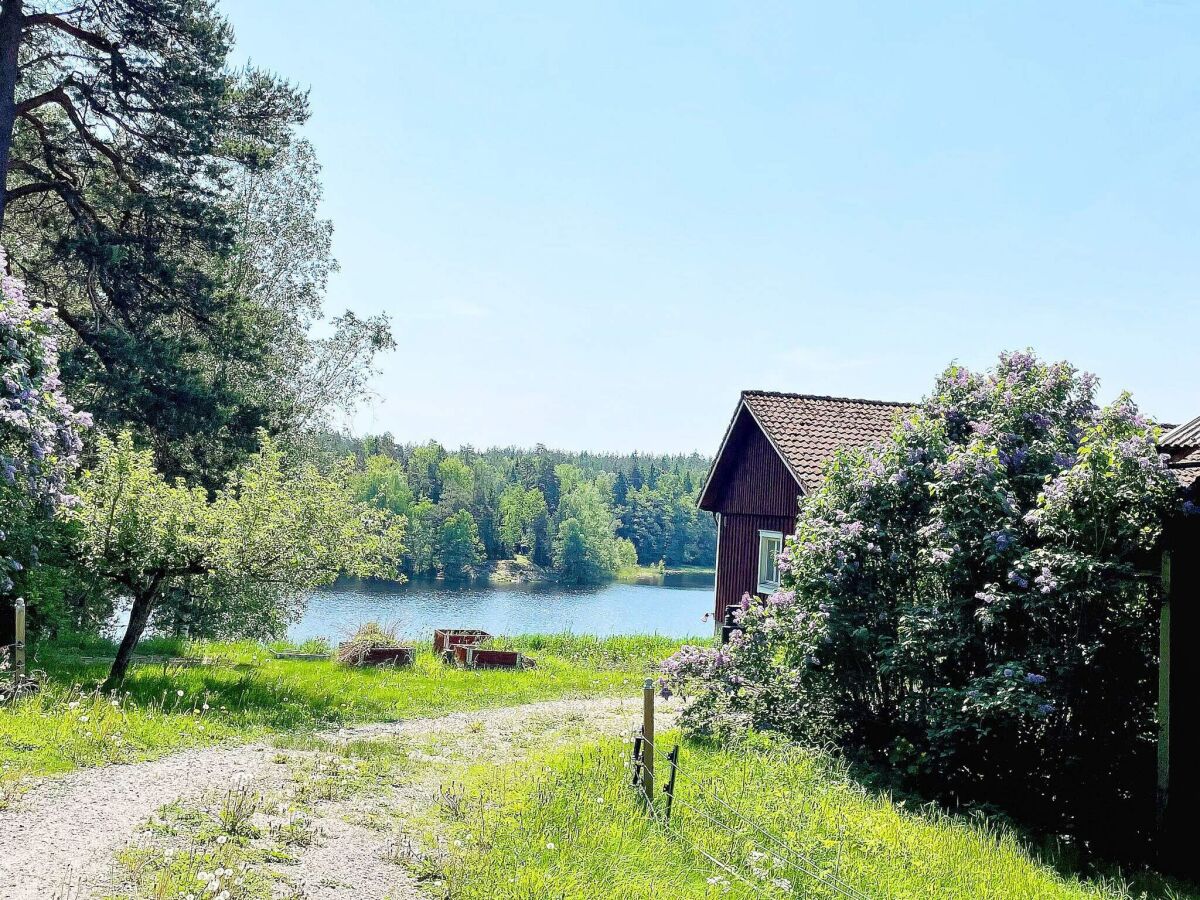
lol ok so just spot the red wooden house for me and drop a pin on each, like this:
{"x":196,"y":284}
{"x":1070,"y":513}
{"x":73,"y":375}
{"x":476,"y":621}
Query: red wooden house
{"x":772,"y":453}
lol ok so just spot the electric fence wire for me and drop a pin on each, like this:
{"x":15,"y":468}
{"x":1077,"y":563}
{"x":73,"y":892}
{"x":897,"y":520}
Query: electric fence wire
{"x":692,"y":845}
{"x":807,"y":865}
{"x":789,"y":863}
{"x":836,"y":887}
{"x":755,"y":879}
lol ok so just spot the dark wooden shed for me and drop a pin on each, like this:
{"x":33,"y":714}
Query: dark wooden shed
{"x":772,"y":453}
{"x":1179,"y":665}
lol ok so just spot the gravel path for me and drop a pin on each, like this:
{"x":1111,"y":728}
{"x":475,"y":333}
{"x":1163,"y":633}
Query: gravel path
{"x":66,"y":830}
{"x":349,"y":862}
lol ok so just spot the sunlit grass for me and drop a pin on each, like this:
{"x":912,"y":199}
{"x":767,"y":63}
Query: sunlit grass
{"x":571,"y":826}
{"x":243,"y":693}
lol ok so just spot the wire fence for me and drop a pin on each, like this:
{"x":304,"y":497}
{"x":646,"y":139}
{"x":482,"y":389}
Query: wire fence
{"x":768,"y":852}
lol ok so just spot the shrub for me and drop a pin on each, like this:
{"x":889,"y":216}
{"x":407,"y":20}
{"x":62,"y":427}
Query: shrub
{"x":969,"y":602}
{"x":39,"y":429}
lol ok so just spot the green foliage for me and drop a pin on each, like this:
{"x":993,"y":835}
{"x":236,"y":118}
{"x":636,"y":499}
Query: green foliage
{"x":967,"y":603}
{"x":39,"y":430}
{"x":586,"y":548}
{"x":246,"y":557}
{"x":570,"y":826}
{"x":457,"y":483}
{"x":423,"y":471}
{"x":460,"y":548}
{"x":119,"y":211}
{"x":383,"y":484}
{"x":517,"y":500}
{"x":523,"y":518}
{"x":160,"y":203}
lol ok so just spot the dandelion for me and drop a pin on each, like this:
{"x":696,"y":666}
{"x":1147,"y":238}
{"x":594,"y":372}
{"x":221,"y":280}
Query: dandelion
{"x":550,"y":845}
{"x":179,"y":693}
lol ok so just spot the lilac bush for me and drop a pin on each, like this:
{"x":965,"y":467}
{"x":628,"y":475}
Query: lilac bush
{"x":39,"y":429}
{"x":969,"y":603}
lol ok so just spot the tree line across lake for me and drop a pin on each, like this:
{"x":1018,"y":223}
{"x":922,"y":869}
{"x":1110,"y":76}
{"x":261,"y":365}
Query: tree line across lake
{"x":586,"y":516}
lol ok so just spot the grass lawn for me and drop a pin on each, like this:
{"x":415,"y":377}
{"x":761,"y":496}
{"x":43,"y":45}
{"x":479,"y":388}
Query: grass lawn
{"x":244,"y":693}
{"x":571,"y":827}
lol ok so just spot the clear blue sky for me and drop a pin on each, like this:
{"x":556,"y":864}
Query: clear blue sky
{"x":593,"y":224}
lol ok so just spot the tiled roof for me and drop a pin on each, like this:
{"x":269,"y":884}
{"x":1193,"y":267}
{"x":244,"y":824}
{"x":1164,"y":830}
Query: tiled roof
{"x":806,"y":430}
{"x":1187,"y":470}
{"x":1182,"y":437}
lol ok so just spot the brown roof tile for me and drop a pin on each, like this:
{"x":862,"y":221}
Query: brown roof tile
{"x":1186,"y":436}
{"x":806,"y":429}
{"x":1187,"y":470}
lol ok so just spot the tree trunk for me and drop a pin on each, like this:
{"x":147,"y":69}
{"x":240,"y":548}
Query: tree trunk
{"x":12,"y":21}
{"x":139,"y":617}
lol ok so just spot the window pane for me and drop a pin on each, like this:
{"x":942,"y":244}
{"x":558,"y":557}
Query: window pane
{"x":769,"y":546}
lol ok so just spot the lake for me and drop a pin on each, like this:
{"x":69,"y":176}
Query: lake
{"x":672,"y":607}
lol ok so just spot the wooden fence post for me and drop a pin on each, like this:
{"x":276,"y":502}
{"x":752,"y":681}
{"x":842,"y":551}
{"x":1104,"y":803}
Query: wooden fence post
{"x":19,"y":645}
{"x":648,"y":739}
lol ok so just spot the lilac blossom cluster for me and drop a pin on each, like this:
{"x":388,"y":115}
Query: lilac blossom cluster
{"x":39,"y":429}
{"x":961,"y":576}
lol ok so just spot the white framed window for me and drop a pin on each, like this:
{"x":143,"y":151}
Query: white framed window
{"x":769,"y":545}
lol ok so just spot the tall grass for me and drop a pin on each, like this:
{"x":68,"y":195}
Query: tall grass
{"x":572,"y":828}
{"x":242,"y":692}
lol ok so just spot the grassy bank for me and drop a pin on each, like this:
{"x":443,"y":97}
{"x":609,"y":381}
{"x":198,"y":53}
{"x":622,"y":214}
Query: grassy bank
{"x":243,"y":693}
{"x":649,"y":573}
{"x":571,"y":827}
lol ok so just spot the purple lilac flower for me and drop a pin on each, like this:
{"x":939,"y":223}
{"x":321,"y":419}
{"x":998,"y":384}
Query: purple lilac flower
{"x":1000,"y":540}
{"x":1014,"y":459}
{"x":1046,"y":581}
{"x":1008,"y":673}
{"x":1035,"y":678}
{"x":1064,"y":460}
{"x":39,"y":443}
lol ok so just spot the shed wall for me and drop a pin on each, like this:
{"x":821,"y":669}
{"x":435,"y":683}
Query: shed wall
{"x":737,"y":556}
{"x":1182,"y":669}
{"x":751,"y":478}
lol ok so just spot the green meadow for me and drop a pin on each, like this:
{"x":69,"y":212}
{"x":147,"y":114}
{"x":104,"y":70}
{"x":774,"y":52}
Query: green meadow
{"x":242,"y":692}
{"x":761,"y":820}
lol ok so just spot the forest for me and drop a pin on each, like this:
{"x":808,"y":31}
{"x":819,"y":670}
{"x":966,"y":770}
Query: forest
{"x":585,"y":516}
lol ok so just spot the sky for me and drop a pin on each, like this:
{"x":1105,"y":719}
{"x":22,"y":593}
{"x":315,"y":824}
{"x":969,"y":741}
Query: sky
{"x":592,"y":225}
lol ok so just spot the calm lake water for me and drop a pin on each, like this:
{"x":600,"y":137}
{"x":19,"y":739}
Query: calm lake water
{"x":672,"y":608}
